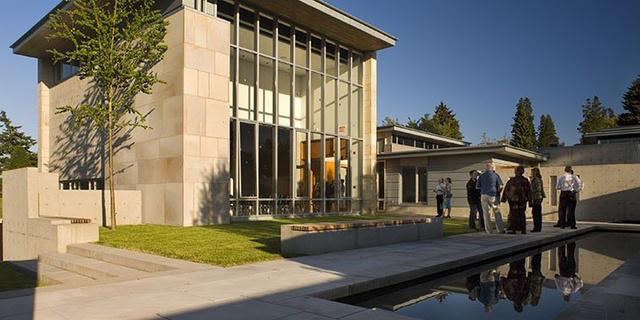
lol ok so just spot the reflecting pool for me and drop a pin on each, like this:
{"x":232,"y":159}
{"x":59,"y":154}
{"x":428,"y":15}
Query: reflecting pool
{"x":538,"y":284}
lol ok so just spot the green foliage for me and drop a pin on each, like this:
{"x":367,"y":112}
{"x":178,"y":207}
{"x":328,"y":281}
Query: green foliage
{"x":596,"y":117}
{"x":547,"y":132}
{"x":631,"y":103}
{"x":20,"y":158}
{"x":390,"y":122}
{"x":487,"y":141}
{"x":116,"y":44}
{"x":224,"y":245}
{"x":443,"y":122}
{"x":523,"y":131}
{"x":12,"y":137}
{"x":425,"y":123}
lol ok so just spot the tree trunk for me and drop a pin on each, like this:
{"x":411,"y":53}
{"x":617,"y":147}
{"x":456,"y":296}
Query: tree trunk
{"x":112,"y":192}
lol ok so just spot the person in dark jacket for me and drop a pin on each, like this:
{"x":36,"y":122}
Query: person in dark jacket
{"x":517,"y":192}
{"x":516,"y":285}
{"x":537,"y":195}
{"x":473,"y":198}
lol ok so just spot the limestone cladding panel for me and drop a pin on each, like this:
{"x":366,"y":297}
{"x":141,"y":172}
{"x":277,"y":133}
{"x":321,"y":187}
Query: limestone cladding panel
{"x":152,"y":203}
{"x":370,"y":128}
{"x":173,"y":204}
{"x":206,"y":132}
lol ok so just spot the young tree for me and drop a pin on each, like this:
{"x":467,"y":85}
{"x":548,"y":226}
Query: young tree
{"x":547,"y":132}
{"x":445,"y":122}
{"x":631,"y":103}
{"x":116,"y":44}
{"x":12,"y":137}
{"x":595,"y":117}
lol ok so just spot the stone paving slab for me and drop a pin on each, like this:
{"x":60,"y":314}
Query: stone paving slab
{"x":276,"y":289}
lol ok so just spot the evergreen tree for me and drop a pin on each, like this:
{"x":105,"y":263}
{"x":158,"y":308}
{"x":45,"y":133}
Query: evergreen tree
{"x":116,"y":43}
{"x":445,"y":122}
{"x":390,"y":122}
{"x":631,"y":103}
{"x":12,"y":137}
{"x":547,"y":132}
{"x":596,"y":117}
{"x":20,"y":158}
{"x":523,"y":132}
{"x":425,"y":123}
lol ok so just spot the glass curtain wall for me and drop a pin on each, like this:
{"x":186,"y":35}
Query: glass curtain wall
{"x":296,"y":117}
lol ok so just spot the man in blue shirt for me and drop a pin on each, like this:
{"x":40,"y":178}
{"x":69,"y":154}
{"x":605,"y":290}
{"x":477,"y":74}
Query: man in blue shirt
{"x":490,"y":186}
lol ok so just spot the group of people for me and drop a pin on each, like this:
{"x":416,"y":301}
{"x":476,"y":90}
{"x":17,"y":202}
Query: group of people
{"x":443,"y":197}
{"x":523,"y":288}
{"x":485,"y":192}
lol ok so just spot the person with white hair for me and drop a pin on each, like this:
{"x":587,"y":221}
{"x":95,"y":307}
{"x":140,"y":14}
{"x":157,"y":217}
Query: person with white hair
{"x":490,"y":186}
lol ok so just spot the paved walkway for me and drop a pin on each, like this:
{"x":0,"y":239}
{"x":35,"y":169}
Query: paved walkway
{"x":284,"y":289}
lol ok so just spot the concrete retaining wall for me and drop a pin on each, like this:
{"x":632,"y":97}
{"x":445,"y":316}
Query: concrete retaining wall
{"x":36,"y":214}
{"x":319,"y":242}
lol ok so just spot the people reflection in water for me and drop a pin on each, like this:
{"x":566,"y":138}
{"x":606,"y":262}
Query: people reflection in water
{"x":536,"y":280}
{"x":489,"y":293}
{"x":516,"y":284}
{"x":567,"y":281}
{"x":473,"y":286}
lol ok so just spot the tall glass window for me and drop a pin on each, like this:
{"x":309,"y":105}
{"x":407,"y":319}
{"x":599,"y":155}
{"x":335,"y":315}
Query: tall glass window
{"x":300,"y":99}
{"x":330,"y":105}
{"x":265,"y":90}
{"x":284,"y":163}
{"x":302,"y":165}
{"x":316,"y":102}
{"x":343,"y":108}
{"x":317,"y":168}
{"x":246,"y":85}
{"x":267,"y":30}
{"x":296,"y":116}
{"x":284,"y":42}
{"x":301,"y":48}
{"x":247,"y":28}
{"x":284,"y":94}
{"x":422,"y":185}
{"x":247,"y":160}
{"x":266,"y":160}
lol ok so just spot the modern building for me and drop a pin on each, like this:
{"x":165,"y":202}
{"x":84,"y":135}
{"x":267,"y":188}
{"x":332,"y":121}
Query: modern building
{"x":269,"y":109}
{"x":410,"y":162}
{"x":613,"y":135}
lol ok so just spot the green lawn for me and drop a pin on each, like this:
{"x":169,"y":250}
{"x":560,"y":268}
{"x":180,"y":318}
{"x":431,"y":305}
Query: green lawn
{"x":13,"y":280}
{"x":223,"y":245}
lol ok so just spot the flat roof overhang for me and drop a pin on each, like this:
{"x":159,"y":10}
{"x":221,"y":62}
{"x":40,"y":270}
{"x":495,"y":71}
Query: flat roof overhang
{"x":423,"y":134}
{"x":504,"y":150}
{"x":315,"y":15}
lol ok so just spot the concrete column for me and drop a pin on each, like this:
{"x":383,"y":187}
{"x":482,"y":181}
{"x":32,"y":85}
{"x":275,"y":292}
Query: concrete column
{"x":45,"y":77}
{"x":370,"y":128}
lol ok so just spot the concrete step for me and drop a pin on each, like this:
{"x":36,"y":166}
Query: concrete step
{"x":48,"y":274}
{"x":87,"y":267}
{"x":135,"y":260}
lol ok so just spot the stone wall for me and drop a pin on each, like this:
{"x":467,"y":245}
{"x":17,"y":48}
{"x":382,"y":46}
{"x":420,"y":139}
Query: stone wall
{"x":181,"y":163}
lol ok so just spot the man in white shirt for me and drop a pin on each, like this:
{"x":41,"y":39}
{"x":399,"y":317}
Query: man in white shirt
{"x":568,"y":185}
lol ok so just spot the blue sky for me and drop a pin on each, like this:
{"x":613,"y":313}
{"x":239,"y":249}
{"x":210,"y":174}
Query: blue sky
{"x":479,"y":57}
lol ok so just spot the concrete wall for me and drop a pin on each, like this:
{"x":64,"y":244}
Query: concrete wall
{"x":28,"y":197}
{"x":181,"y":164}
{"x":583,"y":155}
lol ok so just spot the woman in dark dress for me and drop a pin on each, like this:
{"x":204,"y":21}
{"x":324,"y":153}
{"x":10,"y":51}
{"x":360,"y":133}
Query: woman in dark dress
{"x":517,"y":192}
{"x":537,"y":195}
